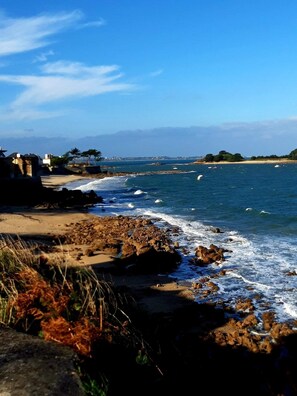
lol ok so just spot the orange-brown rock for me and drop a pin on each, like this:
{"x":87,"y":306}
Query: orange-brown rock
{"x":131,"y":240}
{"x":213,"y":254}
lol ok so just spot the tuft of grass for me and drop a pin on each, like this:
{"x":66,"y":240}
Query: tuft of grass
{"x":67,"y":305}
{"x":94,"y":387}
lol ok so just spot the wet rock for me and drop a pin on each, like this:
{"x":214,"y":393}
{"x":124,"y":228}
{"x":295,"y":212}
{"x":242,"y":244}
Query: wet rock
{"x":213,"y":254}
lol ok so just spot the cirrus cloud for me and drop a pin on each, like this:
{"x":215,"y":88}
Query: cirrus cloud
{"x":54,"y":82}
{"x":62,"y":81}
{"x":25,"y":34}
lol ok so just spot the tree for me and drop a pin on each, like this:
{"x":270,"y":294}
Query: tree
{"x":218,"y":157}
{"x":223,"y":156}
{"x":59,"y":161}
{"x":237,"y":157}
{"x":208,"y":158}
{"x":293,"y":155}
{"x":75,"y":152}
{"x":92,"y":154}
{"x":72,"y":154}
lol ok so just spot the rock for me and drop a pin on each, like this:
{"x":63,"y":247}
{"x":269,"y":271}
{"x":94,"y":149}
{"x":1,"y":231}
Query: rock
{"x":136,"y":243}
{"x":31,"y":366}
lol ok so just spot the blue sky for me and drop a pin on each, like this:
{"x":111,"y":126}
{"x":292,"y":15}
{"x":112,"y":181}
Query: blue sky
{"x":75,"y":69}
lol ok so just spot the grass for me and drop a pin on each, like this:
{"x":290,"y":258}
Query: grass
{"x":67,"y":305}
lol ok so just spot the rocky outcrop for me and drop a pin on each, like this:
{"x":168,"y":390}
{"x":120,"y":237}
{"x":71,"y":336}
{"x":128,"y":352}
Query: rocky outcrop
{"x":188,"y":341}
{"x":135,"y":243}
{"x":31,"y":192}
{"x":68,"y":198}
{"x":213,"y":254}
{"x":31,"y":366}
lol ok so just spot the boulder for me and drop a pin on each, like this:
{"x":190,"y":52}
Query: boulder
{"x":31,"y":366}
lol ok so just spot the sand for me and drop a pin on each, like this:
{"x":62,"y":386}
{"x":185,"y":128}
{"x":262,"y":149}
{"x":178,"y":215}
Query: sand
{"x":43,"y":223}
{"x":56,"y":181}
{"x":34,"y":222}
{"x":24,"y":220}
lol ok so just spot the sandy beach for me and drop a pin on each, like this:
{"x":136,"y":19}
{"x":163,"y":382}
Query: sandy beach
{"x":35,"y":223}
{"x":24,"y":221}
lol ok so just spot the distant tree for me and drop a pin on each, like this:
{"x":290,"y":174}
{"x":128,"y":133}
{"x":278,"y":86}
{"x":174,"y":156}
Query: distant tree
{"x":92,"y":154}
{"x":223,"y":155}
{"x":223,"y":152}
{"x":75,"y":152}
{"x":237,"y":157}
{"x":218,"y":157}
{"x":267,"y":157}
{"x":72,"y":154}
{"x":59,"y":160}
{"x":208,"y":158}
{"x":227,"y":157}
{"x":293,"y":155}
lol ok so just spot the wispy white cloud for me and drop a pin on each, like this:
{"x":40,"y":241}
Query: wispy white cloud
{"x":25,"y":34}
{"x":156,"y":73}
{"x":77,"y":69}
{"x":100,"y":22}
{"x":43,"y":56}
{"x":62,"y":81}
{"x":57,"y":81}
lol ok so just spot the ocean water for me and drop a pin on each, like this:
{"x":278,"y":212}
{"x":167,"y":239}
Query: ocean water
{"x":253,"y":205}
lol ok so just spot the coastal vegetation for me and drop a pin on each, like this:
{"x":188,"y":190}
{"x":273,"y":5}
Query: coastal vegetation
{"x":76,"y":156}
{"x":291,"y":156}
{"x":45,"y":294}
{"x":271,"y":157}
{"x":70,"y":306}
{"x":225,"y":156}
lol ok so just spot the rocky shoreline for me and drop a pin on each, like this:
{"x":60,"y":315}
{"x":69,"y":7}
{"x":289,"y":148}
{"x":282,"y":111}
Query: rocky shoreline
{"x":189,"y":342}
{"x":193,"y":338}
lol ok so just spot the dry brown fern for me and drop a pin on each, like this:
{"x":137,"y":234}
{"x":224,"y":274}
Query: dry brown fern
{"x":39,"y":298}
{"x":68,"y":305}
{"x":79,"y":335}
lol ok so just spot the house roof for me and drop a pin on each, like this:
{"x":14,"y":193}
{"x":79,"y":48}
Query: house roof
{"x":15,"y":154}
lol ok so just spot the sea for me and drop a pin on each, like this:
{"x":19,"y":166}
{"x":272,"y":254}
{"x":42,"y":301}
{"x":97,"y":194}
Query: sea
{"x":253,"y":206}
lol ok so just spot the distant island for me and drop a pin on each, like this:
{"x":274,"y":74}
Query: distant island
{"x":225,"y":156}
